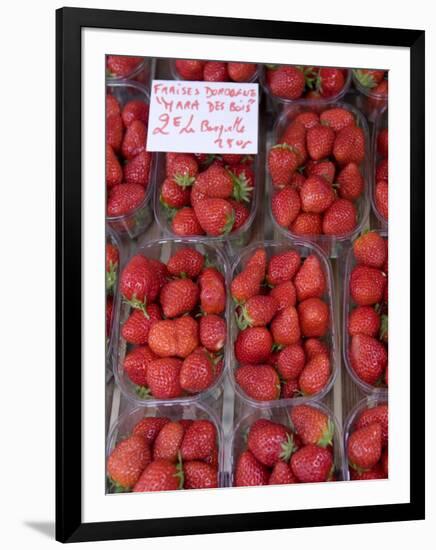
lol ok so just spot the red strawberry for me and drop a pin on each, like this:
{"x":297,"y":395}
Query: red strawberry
{"x":215,"y":216}
{"x":270,"y":443}
{"x":258,"y":262}
{"x":186,"y":262}
{"x":368,"y":358}
{"x":114,"y":172}
{"x":295,"y":137}
{"x":370,"y":250}
{"x":127,"y":461}
{"x":282,"y":474}
{"x":114,"y":132}
{"x":241,"y":214}
{"x":369,"y":78}
{"x":137,"y":170}
{"x":291,"y":362}
{"x":185,"y":223}
{"x":190,"y":69}
{"x":382,"y":171}
{"x":290,"y":389}
{"x":174,"y":196}
{"x":253,"y":345}
{"x":250,"y":472}
{"x":112,"y":106}
{"x":163,"y":378}
{"x":383,"y":142}
{"x":349,"y":145}
{"x":112,"y":260}
{"x":122,"y":65}
{"x":134,"y":140}
{"x":136,"y":364}
{"x":308,"y":119}
{"x":315,"y":375}
{"x":307,"y":224}
{"x":286,"y":81}
{"x":258,"y":311}
{"x":199,"y":475}
{"x":282,"y":267}
{"x":285,"y":327}
{"x":322,"y":168}
{"x":213,"y":459}
{"x":381,"y":198}
{"x":197,"y":372}
{"x":215,"y":182}
{"x":314,"y":317}
{"x":364,"y":320}
{"x":199,"y":440}
{"x":285,"y":206}
{"x":160,"y":475}
{"x":241,"y":72}
{"x":183,"y":169}
{"x":109,"y":313}
{"x":385,"y":462}
{"x":282,"y":163}
{"x":284,"y":294}
{"x":312,"y":425}
{"x":310,"y":281}
{"x":179,"y":297}
{"x":215,"y":71}
{"x":313,"y":346}
{"x":312,"y":464}
{"x":350,"y":182}
{"x":212,"y":332}
{"x":364,"y":447}
{"x":124,"y":199}
{"x":186,"y":423}
{"x":331,"y":81}
{"x":340,"y":218}
{"x":247,"y":283}
{"x":337,"y":118}
{"x":374,"y":473}
{"x":212,"y":291}
{"x":367,"y":285}
{"x":135,"y":109}
{"x":149,"y":427}
{"x":168,"y":441}
{"x":378,"y":414}
{"x":138,"y":283}
{"x":316,"y":195}
{"x":319,"y":141}
{"x":232,"y":159}
{"x":174,"y":337}
{"x":260,"y":382}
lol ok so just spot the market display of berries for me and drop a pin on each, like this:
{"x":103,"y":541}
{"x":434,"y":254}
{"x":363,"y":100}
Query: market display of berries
{"x":292,"y":82}
{"x":176,"y":329}
{"x":367,"y":323}
{"x":317,"y":172}
{"x":381,"y":175}
{"x":207,"y":195}
{"x":161,"y":454}
{"x":215,"y":71}
{"x":282,"y":346}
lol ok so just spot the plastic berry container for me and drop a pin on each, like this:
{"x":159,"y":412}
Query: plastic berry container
{"x":370,"y":102}
{"x":381,"y":122}
{"x":366,"y":403}
{"x":176,"y":75}
{"x":280,"y":413}
{"x":125,"y":423}
{"x":162,"y":250}
{"x":136,"y":222}
{"x":305,"y":249}
{"x":348,"y":305}
{"x":280,"y":102}
{"x":111,"y":338}
{"x":142,"y":73}
{"x":333,"y":245}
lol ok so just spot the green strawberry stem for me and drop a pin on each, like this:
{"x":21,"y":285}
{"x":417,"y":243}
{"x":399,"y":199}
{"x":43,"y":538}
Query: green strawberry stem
{"x":276,"y":347}
{"x":111,"y":277}
{"x":184,"y":180}
{"x":243,"y":320}
{"x":288,"y":448}
{"x":228,"y":226}
{"x":241,"y":188}
{"x":116,"y":487}
{"x":137,"y":304}
{"x":327,"y":435}
{"x":143,"y":392}
{"x":168,"y":210}
{"x":384,"y":327}
{"x":364,"y":78}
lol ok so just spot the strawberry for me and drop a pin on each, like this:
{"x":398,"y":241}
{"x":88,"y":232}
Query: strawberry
{"x":314,"y":317}
{"x":215,"y":216}
{"x":331,"y":81}
{"x":183,"y":169}
{"x":112,"y":106}
{"x":285,"y":327}
{"x":270,"y":443}
{"x":138,"y":282}
{"x":340,"y":218}
{"x":127,"y":461}
{"x":286,"y":81}
{"x":232,"y":159}
{"x":319,"y":141}
{"x":178,"y":297}
{"x":160,"y":475}
{"x":246,"y":284}
{"x":185,"y":423}
{"x":160,"y":272}
{"x":349,"y":145}
{"x":199,"y":475}
{"x":215,"y":71}
{"x":163,"y":378}
{"x":185,"y":223}
{"x":135,"y":109}
{"x":312,"y":464}
{"x":285,"y":206}
{"x":310,"y":281}
{"x":149,"y":427}
{"x":241,"y":72}
{"x":136,"y":365}
{"x":385,"y":462}
{"x":109,"y":313}
{"x":307,"y":224}
{"x":174,"y":196}
{"x":315,"y":375}
{"x":291,"y":362}
{"x":383,"y":142}
{"x":382,"y":171}
{"x":186,"y":262}
{"x":134,"y":140}
{"x":190,"y":69}
{"x":290,"y":389}
{"x":114,"y":172}
{"x":197,"y":372}
{"x":215,"y":182}
{"x":368,"y":358}
{"x":212,"y":332}
{"x":350,"y":182}
{"x":337,"y":118}
{"x":199,"y":440}
{"x":378,"y":414}
{"x":312,"y":425}
{"x":316,"y":195}
{"x":374,"y":473}
{"x":282,"y":267}
{"x":381,"y":198}
{"x":284,"y":294}
{"x":369,"y":78}
{"x":282,"y":163}
{"x":364,"y":320}
{"x":282,"y":474}
{"x":241,"y":214}
{"x":197,"y":195}
{"x":308,"y":119}
{"x":122,"y":65}
{"x":260,"y":382}
{"x":114,"y":132}
{"x":294,"y":137}
{"x":124,"y":199}
{"x":250,"y":472}
{"x":112,"y":260}
{"x":137,"y":170}
{"x":168,"y":441}
{"x":178,"y":337}
{"x":313,"y":346}
{"x":370,"y":250}
{"x":367,"y":285}
{"x":322,"y":168}
{"x":364,"y":447}
{"x":212,"y":459}
{"x":212,"y":291}
{"x":253,"y":345}
{"x":258,"y":311}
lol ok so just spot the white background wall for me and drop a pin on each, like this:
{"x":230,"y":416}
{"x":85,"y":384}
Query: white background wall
{"x":27,"y":136}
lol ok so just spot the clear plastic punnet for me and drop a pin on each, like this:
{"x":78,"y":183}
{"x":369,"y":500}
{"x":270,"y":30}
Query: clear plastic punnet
{"x":370,"y":102}
{"x":381,"y":123}
{"x":142,"y":73}
{"x":330,"y":339}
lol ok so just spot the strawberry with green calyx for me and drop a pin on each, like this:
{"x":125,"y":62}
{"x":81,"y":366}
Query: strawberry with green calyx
{"x":241,"y":187}
{"x":140,"y":282}
{"x":127,"y":461}
{"x":258,"y":311}
{"x":183,"y":170}
{"x":215,"y":216}
{"x":137,"y":326}
{"x":294,"y":137}
{"x":160,"y":475}
{"x":270,"y":443}
{"x":369,"y":78}
{"x":312,"y":425}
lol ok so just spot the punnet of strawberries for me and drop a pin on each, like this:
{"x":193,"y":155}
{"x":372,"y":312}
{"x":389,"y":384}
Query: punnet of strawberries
{"x":164,"y":454}
{"x":215,"y":71}
{"x":279,"y":453}
{"x":176,"y":329}
{"x":367,"y":443}
{"x":283,"y":342}
{"x":367,"y":323}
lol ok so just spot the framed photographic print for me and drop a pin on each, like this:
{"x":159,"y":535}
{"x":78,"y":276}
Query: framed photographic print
{"x":229,"y":259}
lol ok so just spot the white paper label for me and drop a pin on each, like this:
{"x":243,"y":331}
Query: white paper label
{"x":203,"y":117}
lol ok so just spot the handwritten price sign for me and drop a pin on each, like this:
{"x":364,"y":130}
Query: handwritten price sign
{"x":203,"y":117}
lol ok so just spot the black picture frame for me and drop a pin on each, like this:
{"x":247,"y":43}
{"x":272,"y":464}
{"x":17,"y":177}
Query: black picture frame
{"x":69,"y":23}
